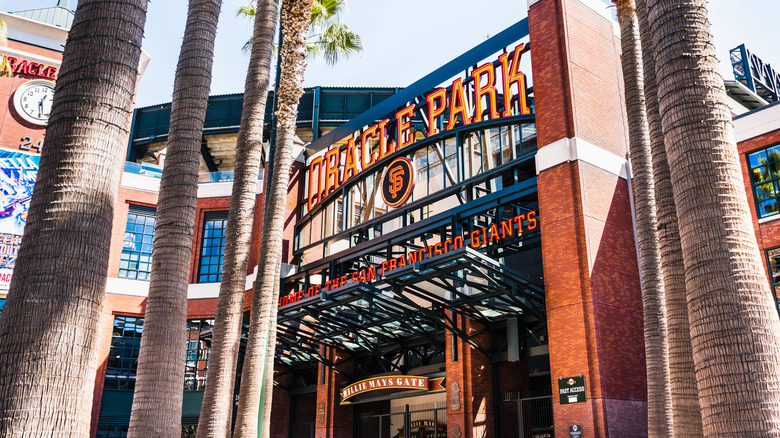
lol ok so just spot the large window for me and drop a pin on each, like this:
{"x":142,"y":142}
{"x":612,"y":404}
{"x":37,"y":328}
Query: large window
{"x":451,"y":161}
{"x":199,"y":333}
{"x":136,"y":261}
{"x":126,"y":341}
{"x":123,"y":356}
{"x":764,"y":177}
{"x":213,"y":249}
{"x":773,"y":257}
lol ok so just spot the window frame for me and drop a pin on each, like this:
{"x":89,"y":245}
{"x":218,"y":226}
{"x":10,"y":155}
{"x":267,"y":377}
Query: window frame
{"x":125,"y":263}
{"x":210,"y":217}
{"x":775,"y":181}
{"x":773,"y":285}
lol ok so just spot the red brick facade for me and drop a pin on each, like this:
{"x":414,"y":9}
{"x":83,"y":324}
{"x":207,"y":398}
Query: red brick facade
{"x":594,"y":312}
{"x":767,"y":231}
{"x":590,"y":268}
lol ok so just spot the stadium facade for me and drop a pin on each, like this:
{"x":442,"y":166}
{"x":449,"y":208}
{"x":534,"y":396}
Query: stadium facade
{"x":459,"y":255}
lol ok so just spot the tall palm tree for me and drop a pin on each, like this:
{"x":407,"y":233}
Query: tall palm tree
{"x":262,"y":332}
{"x":328,"y":36}
{"x":48,"y":332}
{"x":659,"y":418}
{"x":735,"y":332}
{"x":218,"y":397}
{"x":685,"y":410}
{"x":157,"y":400}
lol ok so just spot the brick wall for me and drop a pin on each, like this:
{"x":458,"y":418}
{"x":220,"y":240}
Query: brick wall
{"x":594,"y":311}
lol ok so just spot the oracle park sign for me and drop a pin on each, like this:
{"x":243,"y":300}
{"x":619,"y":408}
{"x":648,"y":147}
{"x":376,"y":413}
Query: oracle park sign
{"x":369,"y":148}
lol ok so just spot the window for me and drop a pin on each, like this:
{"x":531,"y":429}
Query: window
{"x":764,"y":176}
{"x":213,"y":248}
{"x":122,"y":359}
{"x":112,"y":431}
{"x":773,"y":258}
{"x":136,"y":261}
{"x":199,"y":333}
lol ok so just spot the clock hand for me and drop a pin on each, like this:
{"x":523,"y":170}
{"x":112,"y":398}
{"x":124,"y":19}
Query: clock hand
{"x":40,"y":106}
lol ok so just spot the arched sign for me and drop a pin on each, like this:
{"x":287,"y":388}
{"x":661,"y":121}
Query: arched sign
{"x":398,"y":182}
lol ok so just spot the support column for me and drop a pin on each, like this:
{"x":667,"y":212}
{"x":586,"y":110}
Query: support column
{"x":594,"y":309}
{"x":282,"y":403}
{"x":469,"y":384}
{"x":332,"y":420}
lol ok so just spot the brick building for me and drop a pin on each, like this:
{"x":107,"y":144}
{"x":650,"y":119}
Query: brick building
{"x":459,"y":255}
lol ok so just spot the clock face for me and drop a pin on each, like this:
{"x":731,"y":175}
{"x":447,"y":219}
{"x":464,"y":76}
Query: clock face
{"x":33,"y":100}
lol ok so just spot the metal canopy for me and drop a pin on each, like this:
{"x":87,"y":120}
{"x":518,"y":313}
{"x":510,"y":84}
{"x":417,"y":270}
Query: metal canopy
{"x":410,"y":305}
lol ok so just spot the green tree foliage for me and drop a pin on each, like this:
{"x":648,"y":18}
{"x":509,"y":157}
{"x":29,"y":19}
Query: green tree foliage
{"x":329,"y":38}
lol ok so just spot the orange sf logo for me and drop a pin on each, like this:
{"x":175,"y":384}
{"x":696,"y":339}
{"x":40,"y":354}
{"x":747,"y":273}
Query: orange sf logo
{"x":396,"y":180}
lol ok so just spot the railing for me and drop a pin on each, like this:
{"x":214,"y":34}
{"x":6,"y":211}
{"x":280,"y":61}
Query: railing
{"x":144,"y":169}
{"x":223,"y":176}
{"x":155,"y":171}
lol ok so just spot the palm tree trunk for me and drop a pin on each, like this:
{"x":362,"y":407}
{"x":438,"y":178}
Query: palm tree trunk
{"x":48,"y":331}
{"x":659,"y":418}
{"x":686,"y":413}
{"x":295,"y":16}
{"x":157,"y":401}
{"x":735,"y":332}
{"x":214,"y":421}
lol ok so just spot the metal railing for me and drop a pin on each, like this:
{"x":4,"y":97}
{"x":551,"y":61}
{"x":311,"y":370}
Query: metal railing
{"x":155,"y":171}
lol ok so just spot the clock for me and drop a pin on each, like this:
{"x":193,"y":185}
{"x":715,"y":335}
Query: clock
{"x":32,"y":100}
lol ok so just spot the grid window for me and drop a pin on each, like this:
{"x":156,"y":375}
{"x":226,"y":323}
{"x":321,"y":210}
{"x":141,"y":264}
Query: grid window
{"x":112,"y":431}
{"x":123,"y":356}
{"x":136,"y":261}
{"x":764,"y":177}
{"x":212,"y":252}
{"x":199,"y":333}
{"x":773,"y":257}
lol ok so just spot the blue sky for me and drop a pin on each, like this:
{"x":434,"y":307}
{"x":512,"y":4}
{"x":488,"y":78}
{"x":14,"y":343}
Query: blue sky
{"x":403,"y":39}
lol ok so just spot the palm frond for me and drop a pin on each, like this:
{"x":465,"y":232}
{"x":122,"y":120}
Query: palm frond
{"x":248,"y":10}
{"x":338,"y":41}
{"x":246,"y":49}
{"x":324,"y":13}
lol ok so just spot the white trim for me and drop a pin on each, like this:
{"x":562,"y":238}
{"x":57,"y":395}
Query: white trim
{"x":139,"y":182}
{"x":772,"y":218}
{"x":140,"y":288}
{"x":202,"y":290}
{"x":756,"y":123}
{"x":575,"y":149}
{"x":222,"y":189}
{"x":124,"y":286}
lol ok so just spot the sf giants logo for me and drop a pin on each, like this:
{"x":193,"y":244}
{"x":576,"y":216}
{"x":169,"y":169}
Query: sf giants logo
{"x":396,"y":175}
{"x":398,"y":182}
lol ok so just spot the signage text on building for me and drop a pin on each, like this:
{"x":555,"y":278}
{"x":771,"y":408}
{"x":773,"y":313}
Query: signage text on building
{"x":398,"y":182}
{"x":27,"y":67}
{"x":392,"y":382}
{"x":330,"y":171}
{"x":476,"y":239}
{"x":571,"y":389}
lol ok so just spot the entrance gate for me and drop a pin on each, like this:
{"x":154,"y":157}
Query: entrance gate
{"x":527,"y":415}
{"x":427,"y":420}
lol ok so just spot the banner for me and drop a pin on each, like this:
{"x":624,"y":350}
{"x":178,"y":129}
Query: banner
{"x":18,"y":172}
